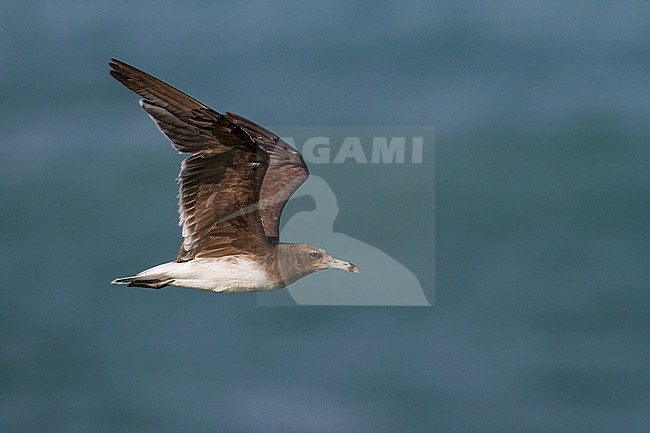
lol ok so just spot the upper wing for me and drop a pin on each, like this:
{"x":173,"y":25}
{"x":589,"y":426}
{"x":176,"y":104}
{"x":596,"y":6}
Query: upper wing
{"x":220,"y":183}
{"x":287,"y":171}
{"x":190,"y":125}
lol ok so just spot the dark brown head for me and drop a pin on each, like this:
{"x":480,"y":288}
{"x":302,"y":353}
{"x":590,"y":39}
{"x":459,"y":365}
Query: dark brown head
{"x":298,"y":260}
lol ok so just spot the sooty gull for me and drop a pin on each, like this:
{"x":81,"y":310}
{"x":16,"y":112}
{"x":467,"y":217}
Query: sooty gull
{"x":233,"y":188}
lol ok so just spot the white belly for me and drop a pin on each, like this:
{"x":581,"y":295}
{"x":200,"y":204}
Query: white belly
{"x":227,"y":274}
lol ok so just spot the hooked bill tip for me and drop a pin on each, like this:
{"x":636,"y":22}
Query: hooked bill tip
{"x":343,"y":265}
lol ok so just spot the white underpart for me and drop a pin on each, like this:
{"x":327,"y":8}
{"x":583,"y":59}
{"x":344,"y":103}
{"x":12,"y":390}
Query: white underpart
{"x":226,"y":274}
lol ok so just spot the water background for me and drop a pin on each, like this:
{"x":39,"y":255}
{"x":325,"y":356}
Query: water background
{"x":542,"y":200}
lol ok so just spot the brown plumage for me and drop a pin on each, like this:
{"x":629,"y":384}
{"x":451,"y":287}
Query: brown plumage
{"x":233,"y":187}
{"x":287,"y":171}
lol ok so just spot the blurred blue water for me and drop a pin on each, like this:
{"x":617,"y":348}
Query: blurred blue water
{"x":542,"y":189}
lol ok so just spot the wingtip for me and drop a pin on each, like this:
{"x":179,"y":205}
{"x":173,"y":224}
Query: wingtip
{"x":114,"y":64}
{"x":119,"y":66}
{"x":117,"y":69}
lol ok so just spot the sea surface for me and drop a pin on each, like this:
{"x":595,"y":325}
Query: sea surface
{"x":539,"y":285}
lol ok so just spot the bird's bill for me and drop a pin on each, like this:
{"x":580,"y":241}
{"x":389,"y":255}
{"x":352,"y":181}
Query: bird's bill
{"x":342,"y":264}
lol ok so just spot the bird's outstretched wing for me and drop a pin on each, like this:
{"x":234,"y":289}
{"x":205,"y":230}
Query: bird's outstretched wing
{"x":191,"y":126}
{"x":287,"y":171}
{"x":222,"y":177}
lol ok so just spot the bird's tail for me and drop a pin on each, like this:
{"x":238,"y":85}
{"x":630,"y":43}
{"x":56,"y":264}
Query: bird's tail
{"x":152,"y":278}
{"x":149,"y":281}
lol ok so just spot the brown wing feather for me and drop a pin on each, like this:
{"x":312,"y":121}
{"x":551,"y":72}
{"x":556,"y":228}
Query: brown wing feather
{"x":220,"y":183}
{"x":191,"y":126}
{"x":287,"y":171}
{"x":214,"y":190}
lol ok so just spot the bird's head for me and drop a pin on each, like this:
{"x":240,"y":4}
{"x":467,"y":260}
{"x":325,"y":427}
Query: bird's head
{"x":299,"y":260}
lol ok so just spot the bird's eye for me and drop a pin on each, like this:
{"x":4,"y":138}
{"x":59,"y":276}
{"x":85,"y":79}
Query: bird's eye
{"x":313,"y":254}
